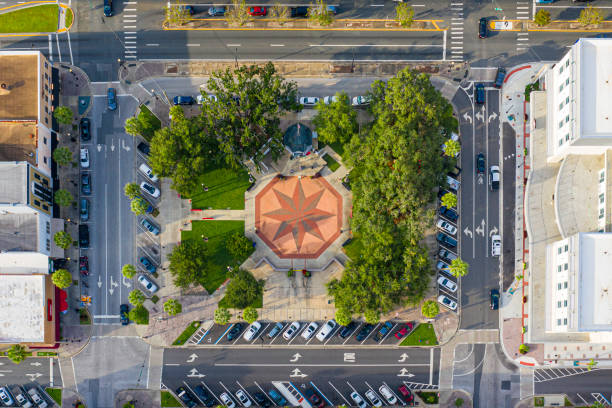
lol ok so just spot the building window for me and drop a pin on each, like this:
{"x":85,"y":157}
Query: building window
{"x":46,"y":88}
{"x":565,"y":267}
{"x":559,"y":268}
{"x":565,"y":303}
{"x":567,"y":119}
{"x":559,"y":304}
{"x":46,"y":121}
{"x":560,"y":124}
{"x":565,"y":285}
{"x":567,"y":81}
{"x":45,"y":207}
{"x":561,"y":70}
{"x":44,"y":140}
{"x":46,"y":76}
{"x":567,"y":137}
{"x":561,"y":88}
{"x":566,"y":248}
{"x":561,"y":106}
{"x":46,"y":182}
{"x":601,"y":198}
{"x":37,"y":176}
{"x":601,"y":213}
{"x":567,"y":99}
{"x":558,"y":286}
{"x":560,"y":142}
{"x":48,"y":245}
{"x":567,"y":63}
{"x":46,"y":65}
{"x":602,"y":176}
{"x":46,"y":109}
{"x":48,"y":227}
{"x":565,"y":322}
{"x":45,"y":160}
{"x":558,"y":322}
{"x":559,"y":250}
{"x":37,"y":203}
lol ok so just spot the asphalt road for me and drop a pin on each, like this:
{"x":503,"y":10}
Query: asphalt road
{"x":334,"y":372}
{"x":581,"y":385}
{"x":111,"y":222}
{"x":44,"y":370}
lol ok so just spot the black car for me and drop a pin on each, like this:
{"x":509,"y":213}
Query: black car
{"x":123,"y":313}
{"x":499,"y":77}
{"x":480,"y":163}
{"x":494,"y":299}
{"x":108,"y":8}
{"x":183,"y":100}
{"x":86,"y":184}
{"x":144,"y":148}
{"x":480,"y":94}
{"x":235,"y":332}
{"x":204,"y":395}
{"x":483,"y":29}
{"x":448,"y":213}
{"x":261,"y":400}
{"x":314,"y":398}
{"x":84,"y":236}
{"x":185,"y":396}
{"x":347,"y":330}
{"x":299,"y":11}
{"x":85,"y":126}
{"x":446,"y":241}
{"x":364,"y":332}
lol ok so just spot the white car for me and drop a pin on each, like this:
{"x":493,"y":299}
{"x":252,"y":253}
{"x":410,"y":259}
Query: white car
{"x":453,"y":183}
{"x":310,"y":330}
{"x":37,"y":399}
{"x":147,"y":171}
{"x":149,"y":189}
{"x":211,"y":97}
{"x":387,"y":394}
{"x":358,"y":400}
{"x":244,"y":400}
{"x":85,"y":158}
{"x":309,"y":100}
{"x":23,"y":401}
{"x":147,"y":283}
{"x":227,"y":401}
{"x":326,"y":330}
{"x":329,"y":99}
{"x":445,"y":301}
{"x":361,"y":100}
{"x":496,"y":245}
{"x":5,"y":396}
{"x":374,"y":400}
{"x":447,"y":283}
{"x":447,"y":227}
{"x":291,"y":330}
{"x":494,"y":178}
{"x":252,"y":331}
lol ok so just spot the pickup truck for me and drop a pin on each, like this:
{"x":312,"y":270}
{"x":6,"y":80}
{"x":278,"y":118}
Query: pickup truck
{"x":496,"y":245}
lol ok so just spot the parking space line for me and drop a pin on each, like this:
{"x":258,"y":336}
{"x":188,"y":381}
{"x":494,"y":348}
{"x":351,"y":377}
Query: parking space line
{"x":190,"y":389}
{"x":351,"y":385}
{"x":321,"y":392}
{"x":311,"y":338}
{"x":296,"y":335}
{"x":373,"y":331}
{"x":212,"y":393}
{"x":431,"y":365}
{"x":393,"y":392}
{"x":374,"y":391}
{"x":388,"y":334}
{"x":238,"y":339}
{"x":261,"y":332}
{"x":332,"y":334}
{"x":580,"y":396}
{"x":247,"y":393}
{"x":265,"y":393}
{"x":339,"y":393}
{"x":354,"y":331}
{"x":229,"y":393}
{"x":228,"y":329}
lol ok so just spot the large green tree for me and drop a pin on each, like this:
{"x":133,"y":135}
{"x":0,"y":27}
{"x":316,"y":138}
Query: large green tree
{"x":62,"y":239}
{"x":16,"y":353}
{"x":188,"y":263}
{"x":63,"y":115}
{"x":245,"y":118}
{"x":139,"y":315}
{"x":145,"y":124}
{"x":131,"y":190}
{"x":63,"y":198}
{"x":62,"y":156}
{"x":239,"y":246}
{"x":129,"y":271}
{"x":336,"y":122}
{"x":136,"y":297}
{"x":250,"y":314}
{"x":430,"y":309}
{"x":242,"y":290}
{"x":62,"y":278}
{"x":172,"y":307}
{"x":222,"y":316}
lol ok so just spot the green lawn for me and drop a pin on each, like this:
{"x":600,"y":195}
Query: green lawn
{"x":146,"y":116}
{"x":353,"y":249}
{"x":258,"y":304}
{"x":56,"y":394}
{"x":217,"y":233}
{"x":37,"y":19}
{"x":337,"y":147}
{"x":187,"y":333}
{"x":331,"y":163}
{"x":168,"y":400}
{"x":69,"y":17}
{"x":423,"y":335}
{"x":226,"y":188}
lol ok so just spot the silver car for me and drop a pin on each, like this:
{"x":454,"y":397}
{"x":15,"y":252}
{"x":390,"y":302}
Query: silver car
{"x":292,"y":330}
{"x":147,"y":284}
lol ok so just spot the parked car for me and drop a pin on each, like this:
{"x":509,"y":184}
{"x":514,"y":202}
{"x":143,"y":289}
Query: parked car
{"x":364,"y":332}
{"x":455,"y":171}
{"x":5,"y":396}
{"x":83,"y":236}
{"x":211,"y":97}
{"x":147,"y":171}
{"x":37,"y":399}
{"x":309,"y":100}
{"x":480,"y":163}
{"x":84,"y":209}
{"x":443,"y":192}
{"x":85,"y":129}
{"x":446,"y":301}
{"x":299,"y":11}
{"x":483,"y":28}
{"x":446,"y":255}
{"x":480,"y":94}
{"x":360,"y":100}
{"x":373,"y":398}
{"x":329,"y":99}
{"x":148,"y":265}
{"x":388,"y":395}
{"x":358,"y":400}
{"x":124,"y":311}
{"x":326,"y":330}
{"x":276,"y":397}
{"x":216,"y":11}
{"x":314,"y":398}
{"x":234,"y":332}
{"x":22,"y":400}
{"x":204,"y":396}
{"x":84,"y":158}
{"x":332,"y":9}
{"x":252,"y":331}
{"x":499,"y":77}
{"x":448,"y":213}
{"x":112,"y":99}
{"x":257,"y":11}
{"x":149,"y":189}
{"x":445,"y":240}
{"x":244,"y":400}
{"x":310,"y":330}
{"x":494,"y":299}
{"x":453,"y":183}
{"x":494,"y":177}
{"x":153,"y":229}
{"x":442,"y":266}
{"x":108,"y":8}
{"x":447,"y":227}
{"x":85,"y":184}
{"x":496,"y":244}
{"x":84,"y":265}
{"x":147,"y":283}
{"x":227,"y":400}
{"x":143,"y":148}
{"x":382,"y":332}
{"x":346,"y":331}
{"x":406,"y":393}
{"x":183,"y":100}
{"x":405,"y":329}
{"x":292,"y":330}
{"x":275,"y":330}
{"x":447,"y":284}
{"x":261,"y":400}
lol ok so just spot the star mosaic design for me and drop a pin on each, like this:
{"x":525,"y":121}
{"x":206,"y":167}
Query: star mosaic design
{"x":298,"y":215}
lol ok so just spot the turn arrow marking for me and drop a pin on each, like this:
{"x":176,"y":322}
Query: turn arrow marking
{"x":295,"y":358}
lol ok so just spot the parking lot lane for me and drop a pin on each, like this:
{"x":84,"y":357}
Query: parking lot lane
{"x":212,"y":392}
{"x":321,"y":393}
{"x":265,"y":393}
{"x":339,"y":393}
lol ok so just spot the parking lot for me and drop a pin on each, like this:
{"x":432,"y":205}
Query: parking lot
{"x":21,"y":394}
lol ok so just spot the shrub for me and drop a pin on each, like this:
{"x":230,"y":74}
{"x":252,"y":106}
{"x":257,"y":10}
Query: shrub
{"x":139,"y":315}
{"x":250,"y":315}
{"x":430,"y":309}
{"x":222,"y":316}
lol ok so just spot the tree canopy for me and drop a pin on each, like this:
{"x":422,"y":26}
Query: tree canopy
{"x":458,"y":267}
{"x":239,"y":246}
{"x":172,"y":307}
{"x":129,"y":271}
{"x":16,"y":353}
{"x":243,"y":289}
{"x":131,"y":190}
{"x":336,"y":122}
{"x":188,"y":263}
{"x":62,"y":239}
{"x":250,"y":314}
{"x":139,"y":315}
{"x":430,"y":309}
{"x":62,"y":156}
{"x":136,"y":297}
{"x":63,"y":198}
{"x":62,"y":278}
{"x":222,"y":316}
{"x":63,"y":115}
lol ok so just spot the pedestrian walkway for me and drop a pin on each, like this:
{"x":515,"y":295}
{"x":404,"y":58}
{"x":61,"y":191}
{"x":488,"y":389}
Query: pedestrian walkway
{"x":456,"y":30}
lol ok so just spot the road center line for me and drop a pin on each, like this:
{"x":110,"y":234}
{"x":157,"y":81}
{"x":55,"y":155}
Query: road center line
{"x":376,"y":45}
{"x":233,"y":45}
{"x":277,"y":45}
{"x":316,"y":365}
{"x":193,"y":45}
{"x":152,"y":45}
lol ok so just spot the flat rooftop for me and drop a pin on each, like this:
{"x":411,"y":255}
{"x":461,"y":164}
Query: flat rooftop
{"x":19,"y":86}
{"x":595,"y":87}
{"x":13,"y":183}
{"x":18,"y":141}
{"x":595,"y":282}
{"x":19,"y":232}
{"x":22,"y":308}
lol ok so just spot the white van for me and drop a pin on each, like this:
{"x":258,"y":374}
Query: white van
{"x":146,"y":170}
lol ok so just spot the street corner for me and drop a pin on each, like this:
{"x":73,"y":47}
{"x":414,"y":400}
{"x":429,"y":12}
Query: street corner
{"x":455,"y":398}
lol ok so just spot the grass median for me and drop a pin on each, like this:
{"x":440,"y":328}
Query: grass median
{"x":37,"y":19}
{"x":423,"y":335}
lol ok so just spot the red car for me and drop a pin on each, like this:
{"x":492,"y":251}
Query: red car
{"x":405,"y":391}
{"x":84,"y":265}
{"x":258,"y":11}
{"x":407,"y":328}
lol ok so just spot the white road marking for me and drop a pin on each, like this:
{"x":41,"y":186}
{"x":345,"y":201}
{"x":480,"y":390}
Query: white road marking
{"x":277,"y":45}
{"x":265,"y":393}
{"x":51,"y":371}
{"x":152,"y":45}
{"x":431,"y":365}
{"x":315,"y":365}
{"x":339,"y":393}
{"x":193,"y":45}
{"x":375,"y":45}
{"x":233,"y":45}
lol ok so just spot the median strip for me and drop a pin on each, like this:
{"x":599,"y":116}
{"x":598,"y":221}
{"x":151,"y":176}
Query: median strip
{"x":560,"y":26}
